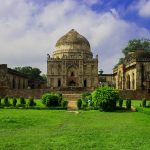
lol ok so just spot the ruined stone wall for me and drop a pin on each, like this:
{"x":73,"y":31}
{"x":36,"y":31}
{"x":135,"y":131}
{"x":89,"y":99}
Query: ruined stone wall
{"x":134,"y":94}
{"x":36,"y":93}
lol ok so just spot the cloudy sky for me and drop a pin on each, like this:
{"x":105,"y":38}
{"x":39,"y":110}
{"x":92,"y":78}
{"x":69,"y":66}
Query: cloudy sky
{"x":29,"y":29}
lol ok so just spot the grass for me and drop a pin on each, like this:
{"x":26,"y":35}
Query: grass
{"x":62,"y":130}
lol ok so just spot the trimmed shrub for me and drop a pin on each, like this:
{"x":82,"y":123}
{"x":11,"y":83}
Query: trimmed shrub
{"x":31,"y":102}
{"x":84,"y":95}
{"x":64,"y":103}
{"x":148,"y":105}
{"x":84,"y":104}
{"x":120,"y":102}
{"x":0,"y":100}
{"x":128,"y":103}
{"x":105,"y":98}
{"x":44,"y":97}
{"x":85,"y":101}
{"x":89,"y":100}
{"x":60,"y":98}
{"x":50,"y":99}
{"x":79,"y":103}
{"x":22,"y":101}
{"x":143,"y":102}
{"x":14,"y":101}
{"x":6,"y":101}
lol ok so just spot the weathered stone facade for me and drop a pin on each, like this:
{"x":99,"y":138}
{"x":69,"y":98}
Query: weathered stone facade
{"x":106,"y":80}
{"x":72,"y":63}
{"x":12,"y":79}
{"x":134,"y":73}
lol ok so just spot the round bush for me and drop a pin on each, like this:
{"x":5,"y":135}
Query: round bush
{"x":105,"y":98}
{"x":44,"y":97}
{"x":50,"y":99}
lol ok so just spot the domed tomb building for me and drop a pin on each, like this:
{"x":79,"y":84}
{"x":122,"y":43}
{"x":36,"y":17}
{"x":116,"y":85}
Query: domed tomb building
{"x":72,"y":63}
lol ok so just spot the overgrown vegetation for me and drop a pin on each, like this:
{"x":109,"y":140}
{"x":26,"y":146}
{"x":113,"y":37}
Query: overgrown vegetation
{"x":134,"y":45}
{"x":33,"y":73}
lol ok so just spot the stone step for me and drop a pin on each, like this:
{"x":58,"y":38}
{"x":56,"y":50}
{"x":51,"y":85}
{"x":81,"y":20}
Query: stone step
{"x":72,"y":105}
{"x":72,"y":97}
{"x":72,"y":101}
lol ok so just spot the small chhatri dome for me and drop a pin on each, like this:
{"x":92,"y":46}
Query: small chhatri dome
{"x":73,"y":37}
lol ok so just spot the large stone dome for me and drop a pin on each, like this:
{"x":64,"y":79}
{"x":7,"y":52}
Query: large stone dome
{"x":72,"y":43}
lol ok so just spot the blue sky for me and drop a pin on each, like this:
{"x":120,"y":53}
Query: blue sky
{"x":29,"y":29}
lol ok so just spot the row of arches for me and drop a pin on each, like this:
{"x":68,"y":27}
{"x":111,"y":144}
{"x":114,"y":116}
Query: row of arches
{"x":129,"y":81}
{"x":17,"y":83}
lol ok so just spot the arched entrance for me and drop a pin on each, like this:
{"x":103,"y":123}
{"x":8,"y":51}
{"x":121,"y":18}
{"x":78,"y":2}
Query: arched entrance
{"x":72,"y":83}
{"x":128,"y":82}
{"x":72,"y":76}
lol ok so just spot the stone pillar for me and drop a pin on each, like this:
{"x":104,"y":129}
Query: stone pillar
{"x":139,"y":76}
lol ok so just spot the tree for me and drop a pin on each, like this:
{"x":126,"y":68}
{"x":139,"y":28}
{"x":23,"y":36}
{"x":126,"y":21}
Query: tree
{"x":33,"y":73}
{"x":136,"y":44}
{"x":120,"y":62}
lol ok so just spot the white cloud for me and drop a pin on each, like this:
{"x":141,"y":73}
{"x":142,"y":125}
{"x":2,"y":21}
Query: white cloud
{"x":28,"y":33}
{"x":144,"y":8}
{"x":90,"y":2}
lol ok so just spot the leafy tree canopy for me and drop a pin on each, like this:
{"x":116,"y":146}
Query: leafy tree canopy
{"x":134,"y":45}
{"x":33,"y":73}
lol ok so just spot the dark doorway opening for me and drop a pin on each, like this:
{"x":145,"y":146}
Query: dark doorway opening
{"x":72,"y":74}
{"x":72,"y":83}
{"x":59,"y":83}
{"x":14,"y":84}
{"x":85,"y":83}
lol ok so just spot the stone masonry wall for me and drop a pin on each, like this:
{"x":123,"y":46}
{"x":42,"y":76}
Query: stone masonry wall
{"x":135,"y":94}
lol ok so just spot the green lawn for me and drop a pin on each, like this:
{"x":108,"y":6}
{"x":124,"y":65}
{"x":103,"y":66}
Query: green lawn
{"x":62,"y":130}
